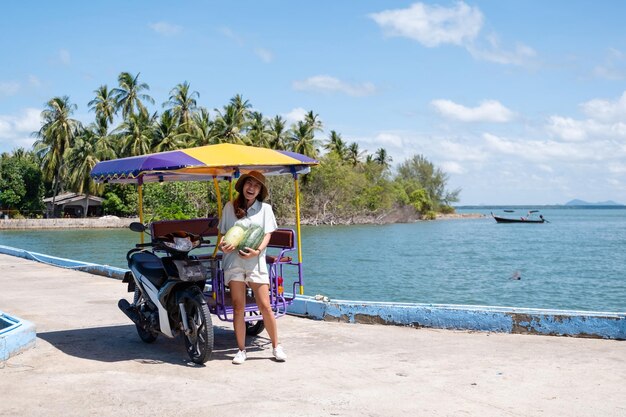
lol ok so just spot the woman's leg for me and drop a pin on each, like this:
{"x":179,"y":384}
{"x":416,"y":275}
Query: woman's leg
{"x":238,"y":296}
{"x":262,"y":296}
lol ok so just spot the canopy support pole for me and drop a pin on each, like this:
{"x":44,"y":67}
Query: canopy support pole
{"x":218,"y":196}
{"x":140,"y":192}
{"x":295,"y":182}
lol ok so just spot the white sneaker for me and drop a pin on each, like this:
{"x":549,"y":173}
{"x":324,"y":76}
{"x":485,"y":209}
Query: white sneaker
{"x":279,"y":354}
{"x":240,"y":357}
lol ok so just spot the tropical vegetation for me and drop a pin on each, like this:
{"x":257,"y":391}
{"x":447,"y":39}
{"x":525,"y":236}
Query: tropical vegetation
{"x":350,"y":184}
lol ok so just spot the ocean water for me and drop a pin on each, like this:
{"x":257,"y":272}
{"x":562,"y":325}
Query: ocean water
{"x":577,"y":261}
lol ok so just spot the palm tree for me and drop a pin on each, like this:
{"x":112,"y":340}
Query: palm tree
{"x":228,"y":125}
{"x":106,"y":146}
{"x":56,"y":136}
{"x":182,"y":103}
{"x":242,"y":109}
{"x":337,"y":145}
{"x":166,"y":137}
{"x":136,"y":133}
{"x":80,"y":160}
{"x":202,"y":129}
{"x":277,"y":133}
{"x":314,"y":121}
{"x":381,"y":157}
{"x":302,"y":140}
{"x":128,"y":96}
{"x":258,"y":134}
{"x":354,"y":155}
{"x":103,"y":104}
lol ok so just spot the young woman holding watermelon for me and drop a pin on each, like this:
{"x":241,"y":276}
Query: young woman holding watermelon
{"x":244,"y":257}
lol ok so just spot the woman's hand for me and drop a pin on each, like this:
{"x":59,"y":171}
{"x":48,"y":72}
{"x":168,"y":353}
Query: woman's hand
{"x":226,"y":247}
{"x":248,"y":253}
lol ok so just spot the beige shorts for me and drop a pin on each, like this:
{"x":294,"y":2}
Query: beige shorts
{"x":242,"y":275}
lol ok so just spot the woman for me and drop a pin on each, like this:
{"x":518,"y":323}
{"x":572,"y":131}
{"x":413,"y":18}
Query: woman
{"x":248,"y":267}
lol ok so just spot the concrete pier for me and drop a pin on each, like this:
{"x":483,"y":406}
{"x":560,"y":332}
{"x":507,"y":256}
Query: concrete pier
{"x":88,"y":360}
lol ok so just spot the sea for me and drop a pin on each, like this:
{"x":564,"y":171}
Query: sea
{"x":575,"y":261}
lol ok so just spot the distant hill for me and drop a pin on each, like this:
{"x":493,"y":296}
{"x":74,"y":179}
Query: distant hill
{"x":577,"y":202}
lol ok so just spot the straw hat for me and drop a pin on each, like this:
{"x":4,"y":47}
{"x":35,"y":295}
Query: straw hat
{"x":257,"y":176}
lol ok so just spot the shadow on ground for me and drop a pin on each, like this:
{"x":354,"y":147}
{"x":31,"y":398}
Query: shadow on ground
{"x":121,"y":343}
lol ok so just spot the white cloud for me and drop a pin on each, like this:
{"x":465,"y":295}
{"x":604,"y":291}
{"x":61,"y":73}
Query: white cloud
{"x":567,"y":128}
{"x":452,"y":167}
{"x":295,"y":115}
{"x":487,"y":111}
{"x":432,"y":25}
{"x":616,"y":168}
{"x":459,"y":25}
{"x":166,"y":29}
{"x":549,"y":151}
{"x":34,"y":81}
{"x":606,"y":120}
{"x":389,"y":139}
{"x":64,"y":57}
{"x":459,"y":151}
{"x":9,"y":88}
{"x":16,"y":130}
{"x":494,"y":52}
{"x":613,"y":66}
{"x":606,"y":110}
{"x":265,"y":55}
{"x":328,"y":84}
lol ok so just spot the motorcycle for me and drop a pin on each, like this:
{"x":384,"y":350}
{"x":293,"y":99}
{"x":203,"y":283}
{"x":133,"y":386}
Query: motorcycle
{"x":168,"y":292}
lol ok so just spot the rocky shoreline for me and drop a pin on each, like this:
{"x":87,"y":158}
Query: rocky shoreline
{"x":114,"y":222}
{"x":105,"y":222}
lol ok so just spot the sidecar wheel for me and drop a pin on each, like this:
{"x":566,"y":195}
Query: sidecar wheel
{"x":254,"y":328}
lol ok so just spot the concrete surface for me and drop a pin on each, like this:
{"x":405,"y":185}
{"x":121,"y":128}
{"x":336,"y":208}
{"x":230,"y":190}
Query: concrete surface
{"x":88,"y":361}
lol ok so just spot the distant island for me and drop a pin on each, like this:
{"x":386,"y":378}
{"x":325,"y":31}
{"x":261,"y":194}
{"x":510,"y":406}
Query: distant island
{"x":577,"y":202}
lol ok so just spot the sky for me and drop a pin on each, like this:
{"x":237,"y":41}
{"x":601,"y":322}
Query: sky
{"x":519,"y":102}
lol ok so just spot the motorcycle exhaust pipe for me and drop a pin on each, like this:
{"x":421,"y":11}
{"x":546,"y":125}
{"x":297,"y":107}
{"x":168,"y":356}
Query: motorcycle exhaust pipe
{"x":129,"y":310}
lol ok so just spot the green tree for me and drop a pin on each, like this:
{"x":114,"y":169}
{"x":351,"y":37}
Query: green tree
{"x":302,"y":140}
{"x":129,"y":96}
{"x":277,"y":131}
{"x":202,"y":131}
{"x":258,"y":133}
{"x":136,"y":133}
{"x":354,"y":154}
{"x":81,"y":159}
{"x":417,"y":173}
{"x":55,"y":138}
{"x":182,"y":104}
{"x":229,"y":124}
{"x":166,"y":136}
{"x":383,"y":158}
{"x":21,"y":183}
{"x":103,"y":104}
{"x":336,"y":144}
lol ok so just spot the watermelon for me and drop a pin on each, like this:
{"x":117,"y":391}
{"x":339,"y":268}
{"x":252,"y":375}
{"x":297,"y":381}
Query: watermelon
{"x":234,"y":235}
{"x":252,"y":238}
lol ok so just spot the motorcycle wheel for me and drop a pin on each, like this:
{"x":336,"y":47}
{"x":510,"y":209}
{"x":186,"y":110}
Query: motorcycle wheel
{"x":148,"y":336}
{"x":199,"y":339}
{"x":254,"y":328}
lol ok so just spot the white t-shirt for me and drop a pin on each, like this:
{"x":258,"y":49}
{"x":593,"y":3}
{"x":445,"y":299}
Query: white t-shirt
{"x":260,"y":214}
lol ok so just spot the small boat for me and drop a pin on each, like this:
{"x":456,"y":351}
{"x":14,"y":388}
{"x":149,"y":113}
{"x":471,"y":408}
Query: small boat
{"x":528,"y":219}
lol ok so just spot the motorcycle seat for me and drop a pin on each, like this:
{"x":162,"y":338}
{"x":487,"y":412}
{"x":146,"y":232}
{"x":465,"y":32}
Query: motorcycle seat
{"x":150,"y":266}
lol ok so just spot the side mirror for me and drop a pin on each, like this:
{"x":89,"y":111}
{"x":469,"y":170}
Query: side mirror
{"x":137,"y":227}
